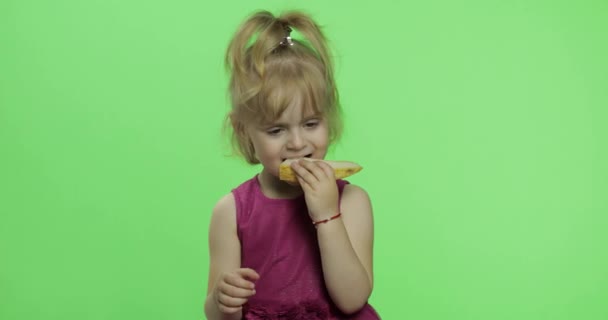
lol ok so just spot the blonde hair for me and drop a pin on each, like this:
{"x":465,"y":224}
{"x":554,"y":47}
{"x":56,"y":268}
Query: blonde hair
{"x":267,"y":74}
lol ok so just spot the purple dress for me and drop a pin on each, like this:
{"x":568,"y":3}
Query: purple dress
{"x":279,"y":242}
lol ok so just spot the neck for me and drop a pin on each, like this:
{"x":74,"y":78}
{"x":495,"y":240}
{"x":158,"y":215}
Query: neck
{"x":273,"y":187}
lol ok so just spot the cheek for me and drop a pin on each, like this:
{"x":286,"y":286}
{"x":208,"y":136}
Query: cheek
{"x":323,"y":136}
{"x":266,"y":148}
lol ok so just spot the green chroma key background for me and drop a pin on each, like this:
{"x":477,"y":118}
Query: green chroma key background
{"x":481,"y":127}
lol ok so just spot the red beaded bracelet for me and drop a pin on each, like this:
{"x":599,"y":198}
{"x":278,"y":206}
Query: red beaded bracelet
{"x":315,"y":223}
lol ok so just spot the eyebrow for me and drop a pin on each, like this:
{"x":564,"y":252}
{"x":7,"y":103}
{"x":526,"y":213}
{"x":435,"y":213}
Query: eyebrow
{"x":282,"y":124}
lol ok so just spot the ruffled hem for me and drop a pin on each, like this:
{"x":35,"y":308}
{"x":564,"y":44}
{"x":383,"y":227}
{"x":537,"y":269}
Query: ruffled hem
{"x":301,"y":311}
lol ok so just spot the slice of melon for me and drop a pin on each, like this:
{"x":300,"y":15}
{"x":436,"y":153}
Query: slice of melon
{"x":342,"y":169}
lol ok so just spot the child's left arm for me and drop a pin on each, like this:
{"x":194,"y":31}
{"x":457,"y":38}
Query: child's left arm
{"x":346,"y":244}
{"x":346,"y":249}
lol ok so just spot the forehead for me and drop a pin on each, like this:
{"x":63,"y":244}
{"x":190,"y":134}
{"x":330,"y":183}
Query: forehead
{"x":289,"y":106}
{"x":297,"y":110}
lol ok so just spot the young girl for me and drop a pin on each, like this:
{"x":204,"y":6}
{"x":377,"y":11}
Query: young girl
{"x":283,"y":250}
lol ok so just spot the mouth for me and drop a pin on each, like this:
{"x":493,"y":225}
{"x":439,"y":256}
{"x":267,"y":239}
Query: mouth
{"x":306,"y":156}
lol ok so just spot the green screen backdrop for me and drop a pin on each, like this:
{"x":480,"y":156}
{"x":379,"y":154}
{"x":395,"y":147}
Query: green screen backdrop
{"x":481,"y":127}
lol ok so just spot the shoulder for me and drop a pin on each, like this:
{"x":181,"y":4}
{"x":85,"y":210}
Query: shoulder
{"x":225,"y":203}
{"x":224,"y":212}
{"x":355,"y":194}
{"x":355,"y":203}
{"x":245,"y":191}
{"x":229,"y":203}
{"x":222,"y":228}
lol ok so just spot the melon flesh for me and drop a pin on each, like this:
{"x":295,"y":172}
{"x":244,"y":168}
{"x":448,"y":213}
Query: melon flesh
{"x":342,"y":169}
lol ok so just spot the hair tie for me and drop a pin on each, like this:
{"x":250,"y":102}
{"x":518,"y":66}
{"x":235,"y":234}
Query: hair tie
{"x":287,"y":39}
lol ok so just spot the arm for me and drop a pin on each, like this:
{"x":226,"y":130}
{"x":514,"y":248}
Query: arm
{"x":345,"y":244}
{"x":227,"y":288}
{"x":346,"y":247}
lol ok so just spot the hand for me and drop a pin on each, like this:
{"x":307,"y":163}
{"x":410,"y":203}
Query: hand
{"x":234,"y":289}
{"x":318,"y":181}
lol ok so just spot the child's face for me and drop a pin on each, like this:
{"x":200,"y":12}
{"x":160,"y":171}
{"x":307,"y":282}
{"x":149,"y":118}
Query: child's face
{"x":293,"y":135}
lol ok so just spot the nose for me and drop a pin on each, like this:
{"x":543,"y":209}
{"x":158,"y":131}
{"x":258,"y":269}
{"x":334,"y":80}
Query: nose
{"x":296,"y":140}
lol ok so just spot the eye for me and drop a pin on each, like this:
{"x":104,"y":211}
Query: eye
{"x":274,"y":131}
{"x":311,"y":124}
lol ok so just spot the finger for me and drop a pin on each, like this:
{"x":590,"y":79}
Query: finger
{"x":305,"y":185}
{"x":230,"y":302}
{"x":303,"y":172}
{"x":248,"y":273}
{"x":315,"y":168}
{"x":236,"y":280}
{"x":235,"y":292}
{"x":327,"y":170}
{"x":229,"y":310}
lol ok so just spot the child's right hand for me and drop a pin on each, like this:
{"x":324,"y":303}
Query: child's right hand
{"x":234,"y":289}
